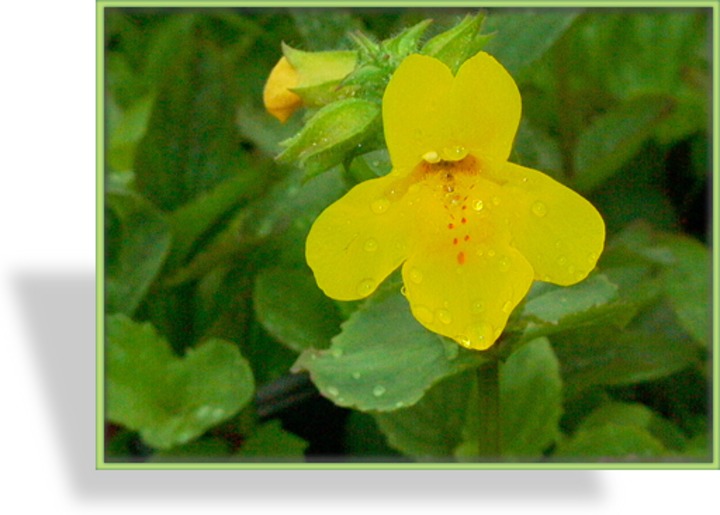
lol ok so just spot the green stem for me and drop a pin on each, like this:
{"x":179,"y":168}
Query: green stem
{"x":490,"y":438}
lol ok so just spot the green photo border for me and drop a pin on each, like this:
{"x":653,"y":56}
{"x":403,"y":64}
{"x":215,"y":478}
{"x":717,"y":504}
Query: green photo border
{"x":101,"y":5}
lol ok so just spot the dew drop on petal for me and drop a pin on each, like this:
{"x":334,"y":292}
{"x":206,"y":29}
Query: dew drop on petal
{"x":504,"y":264}
{"x":403,"y":291}
{"x":463,"y":340}
{"x":380,"y":206}
{"x":539,"y":209}
{"x":482,"y":333}
{"x":507,"y":307}
{"x":424,"y":315}
{"x":478,"y":205}
{"x":365,"y":287}
{"x":431,"y":157}
{"x":370,"y":245}
{"x":478,"y":306}
{"x":561,"y":260}
{"x":416,"y":276}
{"x":379,"y":391}
{"x":491,"y":253}
{"x":444,"y":316}
{"x":592,"y":258}
{"x":496,"y":201}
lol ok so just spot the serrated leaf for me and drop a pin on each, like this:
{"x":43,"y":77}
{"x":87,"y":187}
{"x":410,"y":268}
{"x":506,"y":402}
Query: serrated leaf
{"x":294,"y":310}
{"x":171,"y":400}
{"x":614,"y":137}
{"x":383,"y":359}
{"x":432,"y":428}
{"x":143,"y":240}
{"x":271,"y":442}
{"x":332,"y":135}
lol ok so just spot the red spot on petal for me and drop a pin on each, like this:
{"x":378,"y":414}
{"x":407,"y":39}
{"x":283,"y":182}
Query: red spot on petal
{"x":467,"y":237}
{"x":464,"y":220}
{"x":464,"y":208}
{"x":461,"y":258}
{"x":455,"y":241}
{"x":451,"y":226}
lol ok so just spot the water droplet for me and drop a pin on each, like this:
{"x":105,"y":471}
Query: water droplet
{"x":333,"y":391}
{"x":539,"y":209}
{"x":504,"y":264}
{"x":483,"y":334}
{"x":393,"y":193}
{"x":497,"y":333}
{"x":491,"y":253}
{"x":478,"y":306}
{"x":403,"y":291}
{"x":558,"y":244}
{"x":571,"y":270}
{"x":507,"y":307}
{"x":455,"y":153}
{"x":562,"y":260}
{"x":416,"y":276}
{"x":380,"y":205}
{"x":399,"y":404}
{"x":478,"y":205}
{"x":463,"y":340}
{"x":365,"y":287}
{"x":218,"y":413}
{"x":202,"y":411}
{"x":371,"y":245}
{"x":431,"y":157}
{"x":524,"y":180}
{"x":424,"y":315}
{"x":379,"y":391}
{"x":592,"y":258}
{"x":480,"y":252}
{"x":336,"y":352}
{"x":496,"y":201}
{"x":444,"y":316}
{"x":356,"y":375}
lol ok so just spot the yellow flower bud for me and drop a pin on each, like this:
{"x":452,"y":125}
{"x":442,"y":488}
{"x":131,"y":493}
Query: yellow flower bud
{"x":279,"y":100}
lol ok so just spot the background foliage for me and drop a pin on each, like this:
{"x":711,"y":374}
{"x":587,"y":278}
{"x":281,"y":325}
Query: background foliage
{"x":210,"y":304}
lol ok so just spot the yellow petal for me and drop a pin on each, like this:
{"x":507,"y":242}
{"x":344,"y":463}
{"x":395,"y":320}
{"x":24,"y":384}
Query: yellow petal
{"x":559,"y":232}
{"x":278,"y":99}
{"x":485,"y":108}
{"x":360,"y":239}
{"x":415,"y":110}
{"x":471,"y":301}
{"x":462,"y":278}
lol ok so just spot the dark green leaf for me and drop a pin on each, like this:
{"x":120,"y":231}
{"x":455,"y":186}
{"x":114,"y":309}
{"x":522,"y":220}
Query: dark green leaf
{"x":522,"y":37}
{"x":384,"y":359}
{"x":614,"y":137}
{"x":294,"y":310}
{"x":432,"y":428}
{"x":171,"y":400}
{"x":143,"y":239}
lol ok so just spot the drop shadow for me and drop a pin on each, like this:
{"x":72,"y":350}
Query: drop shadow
{"x":59,"y":315}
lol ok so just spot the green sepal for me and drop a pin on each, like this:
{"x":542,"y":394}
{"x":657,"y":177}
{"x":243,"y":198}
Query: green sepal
{"x":453,"y":47}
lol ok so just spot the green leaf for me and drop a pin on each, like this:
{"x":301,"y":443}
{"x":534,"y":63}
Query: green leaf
{"x":270,"y":441}
{"x":530,"y":400}
{"x":171,"y":400}
{"x":127,"y":132}
{"x":614,"y":137}
{"x":141,"y":243}
{"x":606,"y":356}
{"x":611,"y":442}
{"x":432,"y":428}
{"x":332,"y":135}
{"x":453,"y":47}
{"x":192,"y":142}
{"x":294,"y":310}
{"x":521,"y":38}
{"x":687,"y":284}
{"x":383,"y":359}
{"x":635,"y":414}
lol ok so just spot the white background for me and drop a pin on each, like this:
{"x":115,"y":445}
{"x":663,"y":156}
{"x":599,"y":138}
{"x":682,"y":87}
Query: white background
{"x":47,"y":160}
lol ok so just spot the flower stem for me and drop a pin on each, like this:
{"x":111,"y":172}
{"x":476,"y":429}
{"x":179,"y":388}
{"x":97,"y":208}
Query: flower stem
{"x":490,"y":437}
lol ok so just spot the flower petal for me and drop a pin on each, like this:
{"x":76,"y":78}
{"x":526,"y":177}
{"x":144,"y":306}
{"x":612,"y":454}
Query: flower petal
{"x":414,"y":110}
{"x":559,"y":232}
{"x":485,"y":108}
{"x":360,"y":239}
{"x":468,"y":298}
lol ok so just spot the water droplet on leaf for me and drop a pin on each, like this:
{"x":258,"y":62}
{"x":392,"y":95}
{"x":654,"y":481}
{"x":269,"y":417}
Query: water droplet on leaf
{"x":379,"y":391}
{"x":539,"y":209}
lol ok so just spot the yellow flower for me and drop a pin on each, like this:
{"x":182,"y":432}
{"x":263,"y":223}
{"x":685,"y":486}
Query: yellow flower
{"x":471,"y":230}
{"x":279,"y":100}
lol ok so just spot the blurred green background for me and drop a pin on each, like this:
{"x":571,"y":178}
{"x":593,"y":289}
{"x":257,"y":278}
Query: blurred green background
{"x":209,"y":302}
